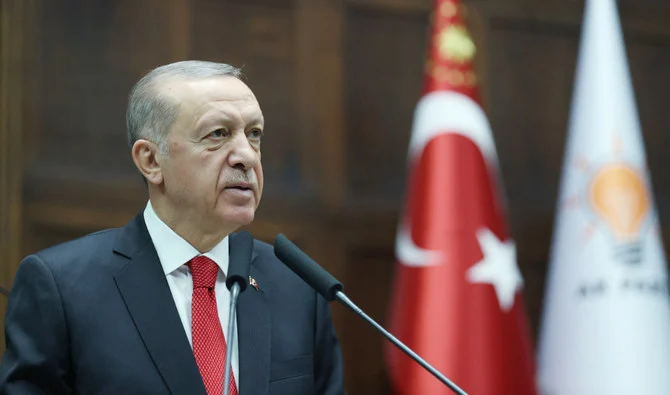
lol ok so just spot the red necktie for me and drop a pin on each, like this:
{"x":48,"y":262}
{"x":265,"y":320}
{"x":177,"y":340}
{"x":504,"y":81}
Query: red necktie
{"x":209,"y":343}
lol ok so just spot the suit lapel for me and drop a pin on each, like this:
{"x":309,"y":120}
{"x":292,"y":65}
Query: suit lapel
{"x":253,"y":327}
{"x":147,"y":296}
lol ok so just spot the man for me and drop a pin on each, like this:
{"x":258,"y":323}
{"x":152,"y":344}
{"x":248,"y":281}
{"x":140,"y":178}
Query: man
{"x":144,"y":309}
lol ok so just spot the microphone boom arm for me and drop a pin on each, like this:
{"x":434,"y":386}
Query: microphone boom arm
{"x":342,"y":298}
{"x":330,"y":288}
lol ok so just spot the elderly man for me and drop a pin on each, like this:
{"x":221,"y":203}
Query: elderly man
{"x":144,"y":309}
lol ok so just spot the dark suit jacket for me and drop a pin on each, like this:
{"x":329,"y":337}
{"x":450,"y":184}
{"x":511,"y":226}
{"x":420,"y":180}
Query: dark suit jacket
{"x":96,"y":316}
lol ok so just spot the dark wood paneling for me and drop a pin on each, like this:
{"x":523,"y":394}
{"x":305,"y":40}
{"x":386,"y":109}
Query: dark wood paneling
{"x":12,"y":14}
{"x":321,"y":79}
{"x":338,"y":81}
{"x":398,"y":6}
{"x":649,"y":62}
{"x":91,"y":54}
{"x":529,"y":98}
{"x":385,"y":59}
{"x":16,"y":28}
{"x":367,"y":278}
{"x":83,"y":95}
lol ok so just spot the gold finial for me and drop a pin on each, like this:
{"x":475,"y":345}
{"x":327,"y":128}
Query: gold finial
{"x":455,"y":44}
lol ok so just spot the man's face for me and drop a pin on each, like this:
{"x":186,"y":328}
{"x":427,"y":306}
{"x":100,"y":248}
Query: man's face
{"x":213,"y":172}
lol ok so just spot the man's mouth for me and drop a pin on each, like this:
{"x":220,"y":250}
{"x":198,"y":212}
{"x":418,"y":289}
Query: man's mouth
{"x":242,"y":187}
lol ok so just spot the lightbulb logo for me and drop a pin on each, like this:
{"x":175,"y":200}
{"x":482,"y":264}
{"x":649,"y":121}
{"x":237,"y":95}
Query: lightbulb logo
{"x":619,"y":197}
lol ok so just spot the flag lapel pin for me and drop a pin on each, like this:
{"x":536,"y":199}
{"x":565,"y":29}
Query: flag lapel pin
{"x":253,"y":283}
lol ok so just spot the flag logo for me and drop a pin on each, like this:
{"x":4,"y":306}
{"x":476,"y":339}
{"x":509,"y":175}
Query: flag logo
{"x":253,"y":283}
{"x":620,"y":199}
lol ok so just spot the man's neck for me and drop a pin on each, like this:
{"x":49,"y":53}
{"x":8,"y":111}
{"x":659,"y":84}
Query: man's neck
{"x":183,"y":224}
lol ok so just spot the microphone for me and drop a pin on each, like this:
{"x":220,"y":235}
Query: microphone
{"x":237,"y":279}
{"x":331,"y":289}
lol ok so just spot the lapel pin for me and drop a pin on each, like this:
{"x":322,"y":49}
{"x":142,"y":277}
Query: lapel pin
{"x":253,"y":283}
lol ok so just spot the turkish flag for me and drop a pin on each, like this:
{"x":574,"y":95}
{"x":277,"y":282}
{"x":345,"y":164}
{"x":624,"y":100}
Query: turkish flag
{"x":457,"y":294}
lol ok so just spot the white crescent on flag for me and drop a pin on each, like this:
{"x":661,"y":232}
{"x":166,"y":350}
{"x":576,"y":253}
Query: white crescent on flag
{"x":438,"y":113}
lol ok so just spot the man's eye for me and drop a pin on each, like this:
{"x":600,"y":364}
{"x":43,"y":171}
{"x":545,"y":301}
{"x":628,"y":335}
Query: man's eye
{"x":218,"y":133}
{"x":255,"y":133}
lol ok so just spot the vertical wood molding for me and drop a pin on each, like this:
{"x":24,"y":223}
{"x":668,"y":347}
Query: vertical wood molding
{"x":10,"y":136}
{"x":179,"y":22}
{"x":12,"y":14}
{"x":320,"y":72}
{"x":477,"y":20}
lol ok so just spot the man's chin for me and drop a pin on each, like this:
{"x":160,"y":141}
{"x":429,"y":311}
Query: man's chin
{"x":238,"y":217}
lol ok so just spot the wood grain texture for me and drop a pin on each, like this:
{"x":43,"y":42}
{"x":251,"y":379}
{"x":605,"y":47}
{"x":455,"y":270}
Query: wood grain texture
{"x":15,"y":21}
{"x":338,"y":81}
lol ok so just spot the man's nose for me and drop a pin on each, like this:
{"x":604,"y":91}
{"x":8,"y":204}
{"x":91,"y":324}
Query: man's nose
{"x":242,"y":155}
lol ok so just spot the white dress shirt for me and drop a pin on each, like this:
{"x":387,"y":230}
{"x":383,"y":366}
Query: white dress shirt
{"x":174,"y":253}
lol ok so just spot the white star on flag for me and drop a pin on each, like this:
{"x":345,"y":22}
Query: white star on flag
{"x":498,"y":267}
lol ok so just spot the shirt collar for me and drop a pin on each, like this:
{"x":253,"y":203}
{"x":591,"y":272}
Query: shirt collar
{"x":173,"y":251}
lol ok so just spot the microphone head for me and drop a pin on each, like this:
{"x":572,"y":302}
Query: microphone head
{"x":306,"y":268}
{"x":241,"y":246}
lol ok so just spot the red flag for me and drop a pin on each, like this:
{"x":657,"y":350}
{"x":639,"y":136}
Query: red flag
{"x":457,"y":294}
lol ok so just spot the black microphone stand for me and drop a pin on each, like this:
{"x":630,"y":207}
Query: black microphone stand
{"x":237,"y":280}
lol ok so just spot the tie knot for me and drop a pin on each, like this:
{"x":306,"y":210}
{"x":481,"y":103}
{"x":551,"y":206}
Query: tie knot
{"x":203,"y":271}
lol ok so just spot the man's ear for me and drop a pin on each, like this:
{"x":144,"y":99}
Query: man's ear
{"x":147,"y":158}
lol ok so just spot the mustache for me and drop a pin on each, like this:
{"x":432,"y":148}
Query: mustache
{"x":247,"y":177}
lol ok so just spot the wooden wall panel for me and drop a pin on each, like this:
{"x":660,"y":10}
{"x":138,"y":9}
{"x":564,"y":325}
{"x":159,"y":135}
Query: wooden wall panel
{"x":13,"y":16}
{"x":83,"y":138}
{"x":649,"y":62}
{"x":385,"y":60}
{"x":338,"y":81}
{"x":91,"y":54}
{"x":321,"y":75}
{"x":529,"y":102}
{"x":367,"y":280}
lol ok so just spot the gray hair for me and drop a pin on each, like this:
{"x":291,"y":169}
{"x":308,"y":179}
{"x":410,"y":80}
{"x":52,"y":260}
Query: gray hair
{"x":150,"y":114}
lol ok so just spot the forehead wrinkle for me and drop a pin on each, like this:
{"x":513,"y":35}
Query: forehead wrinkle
{"x":257,"y":120}
{"x":219,"y":112}
{"x":253,"y":115}
{"x":201,"y":102}
{"x":229,"y":112}
{"x":225,"y":114}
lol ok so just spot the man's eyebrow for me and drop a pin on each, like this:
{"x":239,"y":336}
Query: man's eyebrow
{"x":256,"y":120}
{"x":209,"y":118}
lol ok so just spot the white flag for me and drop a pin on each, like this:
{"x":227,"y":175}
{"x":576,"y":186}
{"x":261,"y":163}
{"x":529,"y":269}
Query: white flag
{"x":606,"y":322}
